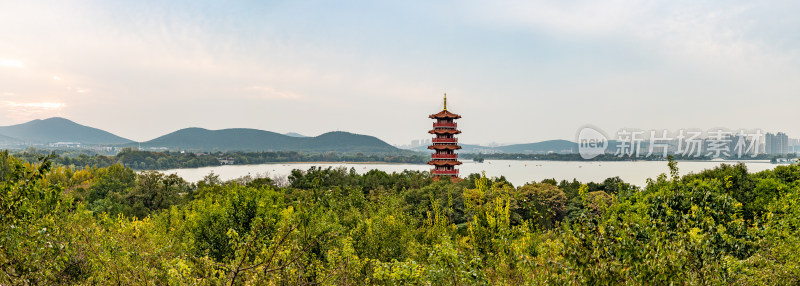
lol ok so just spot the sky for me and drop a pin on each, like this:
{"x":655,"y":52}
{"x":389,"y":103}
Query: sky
{"x":517,"y":71}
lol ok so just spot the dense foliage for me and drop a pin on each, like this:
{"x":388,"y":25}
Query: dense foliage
{"x":333,"y":226}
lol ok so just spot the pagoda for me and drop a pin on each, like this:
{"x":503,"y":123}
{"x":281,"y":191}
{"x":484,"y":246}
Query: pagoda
{"x":444,"y":144}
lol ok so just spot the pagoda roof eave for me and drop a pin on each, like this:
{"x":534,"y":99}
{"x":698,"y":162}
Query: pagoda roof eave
{"x":444,"y":131}
{"x":444,"y":114}
{"x":444,"y":162}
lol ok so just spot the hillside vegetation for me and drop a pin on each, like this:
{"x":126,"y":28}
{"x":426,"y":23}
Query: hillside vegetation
{"x":335,"y":227}
{"x":57,"y":129}
{"x":43,"y":133}
{"x":240,"y":139}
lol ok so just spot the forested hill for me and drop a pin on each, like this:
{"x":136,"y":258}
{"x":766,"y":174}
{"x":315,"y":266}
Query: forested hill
{"x":8,"y":140}
{"x":58,"y":129}
{"x":334,"y":226}
{"x":241,"y":139}
{"x":557,"y":146}
{"x":542,"y":147}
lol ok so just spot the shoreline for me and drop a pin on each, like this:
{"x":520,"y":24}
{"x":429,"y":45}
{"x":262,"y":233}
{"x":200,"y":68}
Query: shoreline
{"x":465,"y":162}
{"x":633,"y":172}
{"x":334,"y":162}
{"x":287,"y":163}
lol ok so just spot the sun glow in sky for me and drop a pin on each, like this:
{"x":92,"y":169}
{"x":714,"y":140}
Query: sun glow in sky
{"x":517,"y":71}
{"x":10,"y":63}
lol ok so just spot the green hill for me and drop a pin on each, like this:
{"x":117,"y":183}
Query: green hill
{"x":554,"y":146}
{"x":5,"y":140}
{"x":58,"y":129}
{"x":240,"y":139}
{"x":465,"y":148}
{"x":347,"y":143}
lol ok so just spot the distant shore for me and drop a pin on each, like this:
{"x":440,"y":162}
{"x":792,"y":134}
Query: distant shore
{"x":343,"y":162}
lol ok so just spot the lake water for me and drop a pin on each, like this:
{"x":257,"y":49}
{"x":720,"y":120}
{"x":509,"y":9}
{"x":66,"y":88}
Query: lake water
{"x":516,"y":171}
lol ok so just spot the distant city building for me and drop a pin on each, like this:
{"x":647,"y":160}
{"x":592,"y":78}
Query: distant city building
{"x":739,"y":145}
{"x":66,"y":145}
{"x":776,"y":143}
{"x":769,"y":143}
{"x":794,"y":145}
{"x":783,"y":143}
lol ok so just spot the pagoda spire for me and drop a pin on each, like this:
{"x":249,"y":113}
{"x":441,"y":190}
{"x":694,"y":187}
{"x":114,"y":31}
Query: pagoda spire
{"x":445,"y":101}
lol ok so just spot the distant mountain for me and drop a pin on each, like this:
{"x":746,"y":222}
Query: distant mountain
{"x":223,"y":140}
{"x":549,"y":146}
{"x":465,"y":148}
{"x":5,"y":140}
{"x":292,"y":134}
{"x":339,"y":141}
{"x":58,"y":129}
{"x":241,"y":139}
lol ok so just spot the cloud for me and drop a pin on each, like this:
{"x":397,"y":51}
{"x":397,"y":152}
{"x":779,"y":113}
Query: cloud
{"x":11,"y":63}
{"x":583,"y":18}
{"x":22,"y":111}
{"x":498,"y":59}
{"x":37,"y":105}
{"x":707,"y":31}
{"x":269,"y":92}
{"x":78,"y":89}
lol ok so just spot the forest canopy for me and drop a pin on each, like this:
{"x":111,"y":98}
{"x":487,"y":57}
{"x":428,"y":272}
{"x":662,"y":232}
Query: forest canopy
{"x":113,"y":225}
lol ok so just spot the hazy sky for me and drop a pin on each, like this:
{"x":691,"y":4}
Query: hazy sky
{"x":517,"y":71}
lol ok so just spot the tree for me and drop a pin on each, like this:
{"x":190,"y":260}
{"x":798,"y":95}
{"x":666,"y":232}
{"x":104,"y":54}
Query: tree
{"x":542,"y":203}
{"x":115,"y":179}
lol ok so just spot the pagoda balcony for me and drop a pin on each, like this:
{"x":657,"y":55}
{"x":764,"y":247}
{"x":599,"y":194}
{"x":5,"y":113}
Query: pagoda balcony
{"x":445,"y":140}
{"x":444,"y":172}
{"x":444,"y":156}
{"x":445,"y":124}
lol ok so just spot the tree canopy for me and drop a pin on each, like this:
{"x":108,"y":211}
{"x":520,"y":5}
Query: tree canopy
{"x":111,"y":225}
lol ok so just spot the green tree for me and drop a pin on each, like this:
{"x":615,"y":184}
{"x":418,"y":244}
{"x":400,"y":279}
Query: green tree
{"x":542,"y":203}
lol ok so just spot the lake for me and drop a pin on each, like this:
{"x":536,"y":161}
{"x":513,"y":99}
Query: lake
{"x":517,"y":172}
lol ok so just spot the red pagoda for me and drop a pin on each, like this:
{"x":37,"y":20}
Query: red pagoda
{"x":445,"y":144}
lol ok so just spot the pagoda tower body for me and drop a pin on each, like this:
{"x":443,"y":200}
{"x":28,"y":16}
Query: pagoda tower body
{"x":445,"y":144}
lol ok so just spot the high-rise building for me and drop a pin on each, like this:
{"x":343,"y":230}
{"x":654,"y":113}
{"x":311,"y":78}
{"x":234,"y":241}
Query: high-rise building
{"x":738,"y":145}
{"x":783,"y":143}
{"x":769,"y":143}
{"x":776,"y":143}
{"x":794,"y":145}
